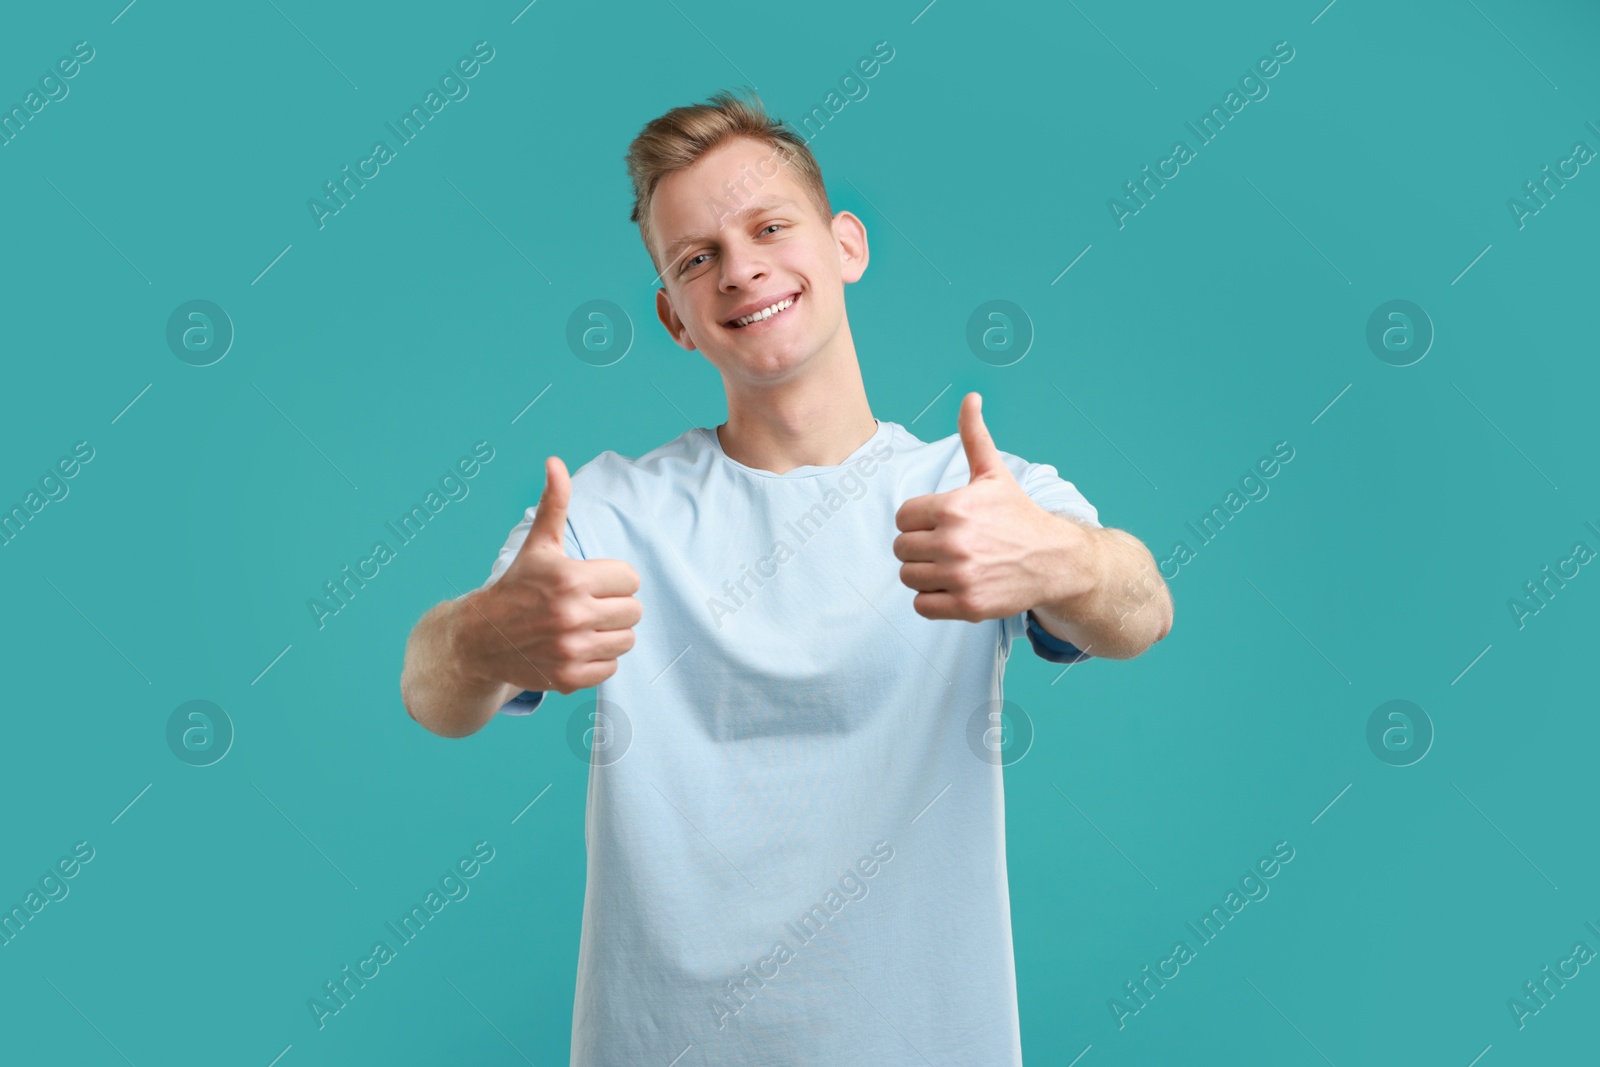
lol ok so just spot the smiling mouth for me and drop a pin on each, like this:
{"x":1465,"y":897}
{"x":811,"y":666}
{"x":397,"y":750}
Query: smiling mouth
{"x":766,"y":314}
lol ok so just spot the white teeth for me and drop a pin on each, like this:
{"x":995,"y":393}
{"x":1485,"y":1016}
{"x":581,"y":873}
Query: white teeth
{"x":765,"y":313}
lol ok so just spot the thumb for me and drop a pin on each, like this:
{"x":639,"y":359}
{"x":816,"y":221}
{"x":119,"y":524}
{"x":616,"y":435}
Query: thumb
{"x":550,"y":521}
{"x":983,"y":458}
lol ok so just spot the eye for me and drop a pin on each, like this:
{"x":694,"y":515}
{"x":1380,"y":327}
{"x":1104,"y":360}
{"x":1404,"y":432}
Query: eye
{"x":693,"y":262}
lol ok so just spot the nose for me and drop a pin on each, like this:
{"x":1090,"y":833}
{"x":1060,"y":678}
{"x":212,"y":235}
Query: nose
{"x":743,"y":263}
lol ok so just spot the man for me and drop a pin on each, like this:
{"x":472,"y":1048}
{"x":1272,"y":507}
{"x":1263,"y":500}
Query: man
{"x":795,"y":839}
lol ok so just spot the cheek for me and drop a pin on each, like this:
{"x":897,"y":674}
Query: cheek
{"x":820,"y":296}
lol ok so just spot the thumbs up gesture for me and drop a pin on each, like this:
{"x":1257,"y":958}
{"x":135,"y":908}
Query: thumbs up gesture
{"x":551,"y":622}
{"x":986,"y":550}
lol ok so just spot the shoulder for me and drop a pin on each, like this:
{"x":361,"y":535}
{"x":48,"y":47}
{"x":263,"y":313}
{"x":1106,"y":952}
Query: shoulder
{"x":947,"y":459}
{"x":612,"y":468}
{"x":614,"y":480}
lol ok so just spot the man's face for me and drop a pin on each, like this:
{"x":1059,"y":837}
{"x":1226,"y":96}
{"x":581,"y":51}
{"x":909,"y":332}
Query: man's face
{"x":738,"y":233}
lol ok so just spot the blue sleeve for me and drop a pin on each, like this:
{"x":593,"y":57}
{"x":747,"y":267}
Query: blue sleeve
{"x":1048,"y":646}
{"x":524,"y":703}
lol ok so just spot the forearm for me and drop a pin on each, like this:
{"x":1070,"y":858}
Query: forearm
{"x":438,"y":693}
{"x":1127,"y":607}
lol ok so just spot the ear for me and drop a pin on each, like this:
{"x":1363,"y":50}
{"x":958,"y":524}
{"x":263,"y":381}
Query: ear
{"x":851,"y":236}
{"x":669,"y":319}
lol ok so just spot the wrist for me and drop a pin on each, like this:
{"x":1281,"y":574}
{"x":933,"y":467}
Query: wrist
{"x":460,"y":630}
{"x":1078,"y":570}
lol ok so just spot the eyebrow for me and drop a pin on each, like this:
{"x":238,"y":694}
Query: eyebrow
{"x":754,"y":208}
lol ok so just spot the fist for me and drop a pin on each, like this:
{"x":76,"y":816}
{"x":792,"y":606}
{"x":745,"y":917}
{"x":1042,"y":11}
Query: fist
{"x":550,"y":622}
{"x":985,"y":550}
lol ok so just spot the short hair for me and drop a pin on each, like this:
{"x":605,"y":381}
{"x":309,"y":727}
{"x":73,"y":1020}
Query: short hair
{"x":677,"y":139}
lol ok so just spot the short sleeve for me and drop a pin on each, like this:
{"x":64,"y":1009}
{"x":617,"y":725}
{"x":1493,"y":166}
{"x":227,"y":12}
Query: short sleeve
{"x":1045,"y":487}
{"x":1053,"y":493}
{"x":528,"y":701}
{"x":1048,"y":646}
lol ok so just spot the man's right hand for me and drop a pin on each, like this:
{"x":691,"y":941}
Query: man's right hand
{"x":550,"y":622}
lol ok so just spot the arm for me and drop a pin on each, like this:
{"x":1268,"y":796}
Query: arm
{"x":435,"y":685}
{"x":1122,"y":609}
{"x":988,"y":550}
{"x":543,"y":623}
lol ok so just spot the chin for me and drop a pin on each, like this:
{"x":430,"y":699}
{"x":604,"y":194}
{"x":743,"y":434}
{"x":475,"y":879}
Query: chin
{"x":768,"y":367}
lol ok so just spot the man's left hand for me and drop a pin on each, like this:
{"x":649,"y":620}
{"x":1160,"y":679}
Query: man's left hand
{"x":986,"y":550}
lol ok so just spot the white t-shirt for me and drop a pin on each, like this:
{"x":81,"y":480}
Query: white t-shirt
{"x":796,"y":819}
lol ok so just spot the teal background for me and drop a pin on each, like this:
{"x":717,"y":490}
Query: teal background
{"x":1227,"y":315}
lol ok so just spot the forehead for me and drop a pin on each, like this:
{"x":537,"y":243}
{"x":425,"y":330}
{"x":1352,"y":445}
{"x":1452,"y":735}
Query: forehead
{"x":701,"y":199}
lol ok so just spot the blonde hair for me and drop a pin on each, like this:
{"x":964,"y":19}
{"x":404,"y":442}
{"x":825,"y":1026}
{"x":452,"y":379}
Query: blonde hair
{"x":677,"y":139}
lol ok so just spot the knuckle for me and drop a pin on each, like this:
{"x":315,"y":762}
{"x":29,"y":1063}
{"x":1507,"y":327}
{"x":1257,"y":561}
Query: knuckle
{"x":564,"y":616}
{"x":568,"y":648}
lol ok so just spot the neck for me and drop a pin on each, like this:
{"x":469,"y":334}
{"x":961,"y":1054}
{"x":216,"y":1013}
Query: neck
{"x":814,"y":419}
